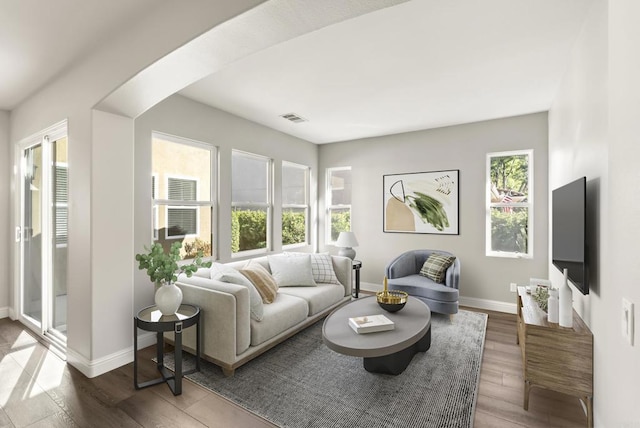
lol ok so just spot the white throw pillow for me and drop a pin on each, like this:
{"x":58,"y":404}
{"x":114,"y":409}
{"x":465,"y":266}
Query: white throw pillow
{"x":292,"y":271}
{"x":224,"y":273}
{"x":321,"y":267}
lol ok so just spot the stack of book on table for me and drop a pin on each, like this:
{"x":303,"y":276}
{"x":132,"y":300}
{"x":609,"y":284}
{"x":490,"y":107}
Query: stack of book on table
{"x":371,"y":323}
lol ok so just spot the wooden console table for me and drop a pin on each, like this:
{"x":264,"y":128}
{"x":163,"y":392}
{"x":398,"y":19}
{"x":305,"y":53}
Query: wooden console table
{"x":554,"y":357}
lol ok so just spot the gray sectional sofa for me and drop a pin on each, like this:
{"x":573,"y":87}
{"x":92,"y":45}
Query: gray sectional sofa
{"x":234,"y":330}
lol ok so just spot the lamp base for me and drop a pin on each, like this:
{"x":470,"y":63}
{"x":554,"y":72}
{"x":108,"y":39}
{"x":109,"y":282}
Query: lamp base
{"x":347,"y":252}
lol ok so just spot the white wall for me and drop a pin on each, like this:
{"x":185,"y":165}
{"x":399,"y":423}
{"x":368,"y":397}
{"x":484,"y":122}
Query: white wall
{"x":484,"y":280}
{"x":93,"y":342}
{"x":593,"y":129}
{"x":185,"y":118}
{"x":5,"y":240}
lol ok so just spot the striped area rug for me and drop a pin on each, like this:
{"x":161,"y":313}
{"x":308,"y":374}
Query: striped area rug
{"x":302,"y":383}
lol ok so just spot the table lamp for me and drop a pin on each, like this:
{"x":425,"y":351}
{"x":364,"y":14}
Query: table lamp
{"x":347,"y":240}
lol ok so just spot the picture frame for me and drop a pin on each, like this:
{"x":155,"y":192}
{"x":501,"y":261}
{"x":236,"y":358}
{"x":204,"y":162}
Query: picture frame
{"x":422,"y":202}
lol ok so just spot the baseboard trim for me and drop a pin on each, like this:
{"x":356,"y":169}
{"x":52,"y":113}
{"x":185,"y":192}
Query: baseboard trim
{"x":490,"y":305}
{"x":472,"y":302}
{"x":93,"y":368}
{"x":4,"y":312}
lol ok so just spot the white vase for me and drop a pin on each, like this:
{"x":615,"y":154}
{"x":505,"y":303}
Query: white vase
{"x":168,"y":298}
{"x":553,"y":306}
{"x":566,"y":303}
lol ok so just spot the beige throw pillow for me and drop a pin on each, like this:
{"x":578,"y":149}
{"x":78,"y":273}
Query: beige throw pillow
{"x":228,"y":274}
{"x":262,"y":280}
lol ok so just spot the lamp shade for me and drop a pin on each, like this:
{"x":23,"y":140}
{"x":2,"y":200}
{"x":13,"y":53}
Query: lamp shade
{"x":347,"y":240}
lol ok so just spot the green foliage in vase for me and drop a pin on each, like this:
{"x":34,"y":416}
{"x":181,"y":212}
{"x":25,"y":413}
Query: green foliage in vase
{"x":431,"y":210}
{"x":541,"y":297}
{"x":163,"y":267}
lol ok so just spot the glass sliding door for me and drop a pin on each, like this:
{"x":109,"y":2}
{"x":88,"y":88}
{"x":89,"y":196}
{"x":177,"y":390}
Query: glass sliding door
{"x":43,"y":233}
{"x":32,"y":235}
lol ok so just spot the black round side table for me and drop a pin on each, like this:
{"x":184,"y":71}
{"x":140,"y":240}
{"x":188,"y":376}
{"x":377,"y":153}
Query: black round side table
{"x":151,"y":319}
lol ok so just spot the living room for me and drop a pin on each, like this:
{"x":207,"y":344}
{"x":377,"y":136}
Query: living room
{"x":588,"y":130}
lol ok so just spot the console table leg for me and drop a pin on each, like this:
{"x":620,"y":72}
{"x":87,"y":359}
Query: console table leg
{"x":588,"y":401}
{"x":527,"y":389}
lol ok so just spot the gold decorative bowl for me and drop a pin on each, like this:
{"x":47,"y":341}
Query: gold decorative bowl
{"x":392,"y":301}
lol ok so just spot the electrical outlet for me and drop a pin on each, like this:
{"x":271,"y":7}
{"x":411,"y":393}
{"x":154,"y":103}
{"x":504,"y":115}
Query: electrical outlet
{"x":513,"y":287}
{"x":627,"y":320}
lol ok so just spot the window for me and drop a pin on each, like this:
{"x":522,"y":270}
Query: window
{"x":61,"y":198}
{"x":182,"y":186}
{"x":251,"y":202}
{"x":295,"y":203}
{"x":510,"y":204}
{"x":181,"y":221}
{"x":338,"y":202}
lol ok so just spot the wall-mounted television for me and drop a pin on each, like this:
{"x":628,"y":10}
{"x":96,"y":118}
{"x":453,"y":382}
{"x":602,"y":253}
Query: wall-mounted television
{"x":569,"y":228}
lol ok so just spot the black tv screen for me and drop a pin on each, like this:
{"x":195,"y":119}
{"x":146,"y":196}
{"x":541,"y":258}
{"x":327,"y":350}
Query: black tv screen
{"x":569,"y":221}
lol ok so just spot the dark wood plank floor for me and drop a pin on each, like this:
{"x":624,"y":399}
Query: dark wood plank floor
{"x":37,"y":389}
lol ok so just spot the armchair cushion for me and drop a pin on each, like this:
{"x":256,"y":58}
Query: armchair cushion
{"x":436,"y":266}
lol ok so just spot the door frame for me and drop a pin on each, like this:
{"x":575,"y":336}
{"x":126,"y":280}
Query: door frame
{"x":44,"y":138}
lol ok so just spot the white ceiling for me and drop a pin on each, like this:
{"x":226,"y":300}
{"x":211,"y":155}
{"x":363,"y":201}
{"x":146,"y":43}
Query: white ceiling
{"x":39,"y":39}
{"x":416,"y":65}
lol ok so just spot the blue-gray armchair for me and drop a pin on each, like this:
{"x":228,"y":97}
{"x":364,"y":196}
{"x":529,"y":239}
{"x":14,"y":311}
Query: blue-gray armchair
{"x":403,"y":273}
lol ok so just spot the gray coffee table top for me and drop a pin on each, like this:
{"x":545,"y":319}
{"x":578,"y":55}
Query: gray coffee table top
{"x":411,"y":324}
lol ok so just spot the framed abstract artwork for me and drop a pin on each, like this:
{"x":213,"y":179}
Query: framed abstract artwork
{"x":422,"y":202}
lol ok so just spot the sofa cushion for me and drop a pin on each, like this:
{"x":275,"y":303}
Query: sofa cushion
{"x":224,"y":273}
{"x":321,"y":267}
{"x":418,"y":285}
{"x":262,"y":280}
{"x":319,"y":298}
{"x":285,"y":312}
{"x":436,"y":266}
{"x":291,"y":271}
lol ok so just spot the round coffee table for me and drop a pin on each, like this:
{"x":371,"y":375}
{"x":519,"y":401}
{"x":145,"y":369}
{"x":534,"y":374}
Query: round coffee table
{"x":384,"y":351}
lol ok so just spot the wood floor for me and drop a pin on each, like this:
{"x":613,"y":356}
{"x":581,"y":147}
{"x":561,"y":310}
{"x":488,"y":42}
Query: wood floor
{"x":37,"y":389}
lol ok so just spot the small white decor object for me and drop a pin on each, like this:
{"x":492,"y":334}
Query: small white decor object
{"x":371,"y":324}
{"x":168,"y":298}
{"x":553,"y":306}
{"x":566,"y":303}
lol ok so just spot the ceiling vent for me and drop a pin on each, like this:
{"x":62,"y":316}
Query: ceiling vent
{"x":292,"y":117}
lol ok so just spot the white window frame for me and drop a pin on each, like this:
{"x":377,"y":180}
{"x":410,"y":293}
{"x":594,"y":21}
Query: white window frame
{"x":331,"y":206}
{"x":529,"y":205}
{"x":211,"y":203}
{"x":305,"y":207}
{"x":154,"y":208}
{"x":253,"y":205}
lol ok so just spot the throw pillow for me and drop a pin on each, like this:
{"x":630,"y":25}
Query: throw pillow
{"x":321,"y":267}
{"x":262,"y":280}
{"x":292,"y":271}
{"x":436,"y":267}
{"x":224,"y":273}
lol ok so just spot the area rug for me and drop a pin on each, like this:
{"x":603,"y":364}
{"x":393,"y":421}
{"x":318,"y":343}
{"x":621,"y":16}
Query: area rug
{"x":302,"y":383}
